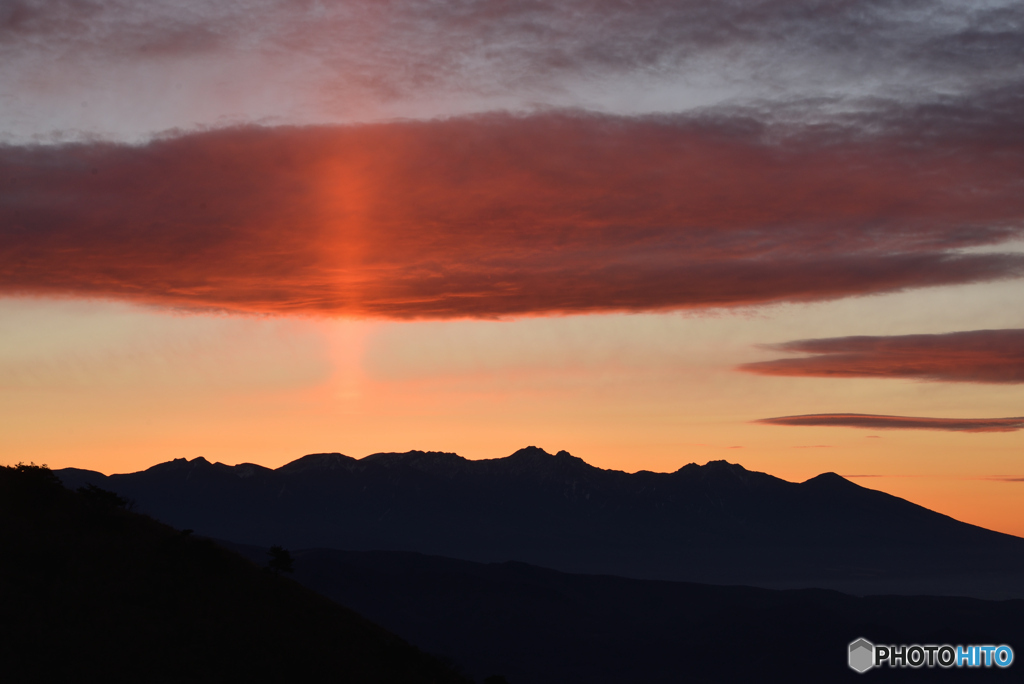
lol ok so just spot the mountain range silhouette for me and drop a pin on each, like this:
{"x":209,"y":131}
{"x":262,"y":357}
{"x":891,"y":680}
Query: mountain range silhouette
{"x":92,"y":591}
{"x":717,"y":523}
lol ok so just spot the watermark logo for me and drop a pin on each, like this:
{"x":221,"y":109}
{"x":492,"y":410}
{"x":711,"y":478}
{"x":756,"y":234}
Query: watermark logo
{"x":864,"y":655}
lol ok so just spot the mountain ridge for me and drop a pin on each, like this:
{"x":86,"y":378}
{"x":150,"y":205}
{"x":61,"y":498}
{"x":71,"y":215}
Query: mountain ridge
{"x":713,"y":523}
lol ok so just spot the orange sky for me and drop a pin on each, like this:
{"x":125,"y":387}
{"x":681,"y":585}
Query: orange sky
{"x":119,"y":388}
{"x":646,"y":233}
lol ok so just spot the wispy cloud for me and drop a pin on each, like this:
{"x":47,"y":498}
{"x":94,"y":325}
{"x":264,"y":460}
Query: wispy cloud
{"x":985,"y":356}
{"x":858,"y":420}
{"x":502,"y":215}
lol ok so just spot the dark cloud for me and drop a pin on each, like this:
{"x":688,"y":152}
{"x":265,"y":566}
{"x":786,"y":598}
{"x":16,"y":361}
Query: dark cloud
{"x":986,"y":356}
{"x":504,"y":215}
{"x":859,"y":420}
{"x":310,"y":53}
{"x":524,"y":40}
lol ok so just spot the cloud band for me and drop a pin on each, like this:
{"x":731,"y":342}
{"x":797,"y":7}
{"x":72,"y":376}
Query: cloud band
{"x":983,"y":356}
{"x":503,"y":215}
{"x":873,"y":422}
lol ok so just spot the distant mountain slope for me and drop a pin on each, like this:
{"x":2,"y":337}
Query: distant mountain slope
{"x":90,"y":592}
{"x":718,"y":522}
{"x":545,"y":627}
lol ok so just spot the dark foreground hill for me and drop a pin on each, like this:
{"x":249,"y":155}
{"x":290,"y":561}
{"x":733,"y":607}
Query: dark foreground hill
{"x":545,"y":627}
{"x":715,"y":523}
{"x":92,"y":592}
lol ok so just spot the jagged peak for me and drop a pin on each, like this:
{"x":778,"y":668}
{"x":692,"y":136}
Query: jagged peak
{"x":720,"y":465}
{"x":532,"y":452}
{"x":721,"y":472}
{"x":179,"y":464}
{"x":565,"y":457}
{"x":535,"y":460}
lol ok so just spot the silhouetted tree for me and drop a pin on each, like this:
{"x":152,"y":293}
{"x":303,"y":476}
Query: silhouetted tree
{"x":280,"y":559}
{"x":38,"y":473}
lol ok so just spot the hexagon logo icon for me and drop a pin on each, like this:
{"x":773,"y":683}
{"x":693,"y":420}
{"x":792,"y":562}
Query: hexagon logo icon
{"x":862,"y":655}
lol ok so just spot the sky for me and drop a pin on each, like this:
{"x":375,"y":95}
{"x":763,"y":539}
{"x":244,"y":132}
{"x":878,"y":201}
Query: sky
{"x":787,"y":234}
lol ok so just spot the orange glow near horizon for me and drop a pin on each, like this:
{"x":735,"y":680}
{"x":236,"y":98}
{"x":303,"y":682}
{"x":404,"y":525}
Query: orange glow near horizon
{"x":129,"y":388}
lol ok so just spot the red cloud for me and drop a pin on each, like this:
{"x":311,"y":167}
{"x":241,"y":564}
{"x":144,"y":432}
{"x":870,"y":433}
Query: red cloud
{"x":501,"y":215}
{"x":860,"y":420}
{"x":988,"y":356}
